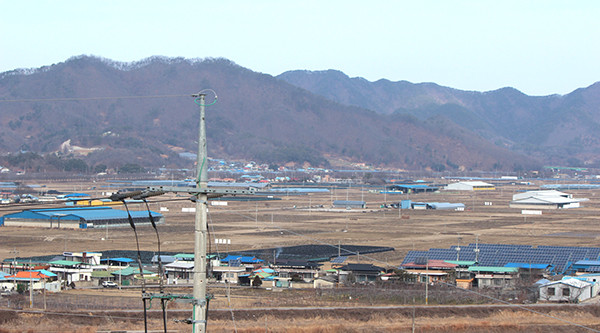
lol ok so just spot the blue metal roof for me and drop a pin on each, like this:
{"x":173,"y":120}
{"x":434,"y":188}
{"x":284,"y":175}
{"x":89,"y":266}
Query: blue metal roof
{"x":45,"y":272}
{"x":527,"y":265}
{"x":123,"y":260}
{"x":243,"y":259}
{"x":76,"y":195}
{"x":418,"y":186}
{"x":588,"y":262}
{"x":77,"y":213}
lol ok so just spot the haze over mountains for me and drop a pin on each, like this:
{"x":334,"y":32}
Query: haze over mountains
{"x":299,"y":117}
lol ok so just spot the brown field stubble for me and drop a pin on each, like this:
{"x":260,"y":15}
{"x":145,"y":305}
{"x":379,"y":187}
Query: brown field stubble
{"x":267,"y":224}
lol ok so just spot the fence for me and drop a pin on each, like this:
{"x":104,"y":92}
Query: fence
{"x":69,"y":302}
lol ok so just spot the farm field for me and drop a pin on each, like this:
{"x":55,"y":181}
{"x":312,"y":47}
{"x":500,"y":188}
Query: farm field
{"x":310,"y":219}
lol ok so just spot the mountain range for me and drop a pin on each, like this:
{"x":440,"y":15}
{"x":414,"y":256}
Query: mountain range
{"x":110,"y":113}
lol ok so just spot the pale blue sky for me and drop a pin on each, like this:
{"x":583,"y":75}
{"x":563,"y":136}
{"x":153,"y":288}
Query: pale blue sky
{"x":539,"y":47}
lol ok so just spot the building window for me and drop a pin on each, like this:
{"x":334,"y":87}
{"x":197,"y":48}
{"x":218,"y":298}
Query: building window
{"x":566,"y":292}
{"x":551,"y":292}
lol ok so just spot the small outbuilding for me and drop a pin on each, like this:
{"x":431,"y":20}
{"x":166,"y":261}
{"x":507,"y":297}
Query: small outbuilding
{"x":348,"y":204}
{"x":568,"y":290}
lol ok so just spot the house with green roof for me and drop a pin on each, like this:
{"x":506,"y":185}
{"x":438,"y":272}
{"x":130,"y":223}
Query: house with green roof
{"x":71,"y":271}
{"x":495,"y":277}
{"x":130,"y":274}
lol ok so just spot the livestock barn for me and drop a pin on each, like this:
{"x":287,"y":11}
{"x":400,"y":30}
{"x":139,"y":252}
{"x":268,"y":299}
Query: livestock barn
{"x":78,"y":217}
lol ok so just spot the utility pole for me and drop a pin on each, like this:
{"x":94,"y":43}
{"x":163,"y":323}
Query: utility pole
{"x":30,"y":286}
{"x":427,"y":282}
{"x":200,"y":229}
{"x":14,"y":272}
{"x":200,"y":194}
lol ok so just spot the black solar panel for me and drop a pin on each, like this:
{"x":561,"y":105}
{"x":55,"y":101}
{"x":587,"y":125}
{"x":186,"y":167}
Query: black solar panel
{"x":339,"y":260}
{"x":561,"y":257}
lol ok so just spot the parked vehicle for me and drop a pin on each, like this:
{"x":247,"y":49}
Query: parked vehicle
{"x":109,"y":284}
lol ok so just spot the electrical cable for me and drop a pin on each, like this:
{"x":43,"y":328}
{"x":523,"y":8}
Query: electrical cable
{"x":197,"y":95}
{"x":160,"y":269}
{"x":68,"y":99}
{"x":521,"y":307}
{"x":467,"y":290}
{"x":9,"y":207}
{"x":219,"y":256}
{"x":317,"y":240}
{"x":139,"y":258}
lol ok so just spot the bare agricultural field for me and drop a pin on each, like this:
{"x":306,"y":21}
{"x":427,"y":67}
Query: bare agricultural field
{"x":310,"y":219}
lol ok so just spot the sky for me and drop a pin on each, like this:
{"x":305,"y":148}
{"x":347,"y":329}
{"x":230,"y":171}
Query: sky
{"x":538,"y":47}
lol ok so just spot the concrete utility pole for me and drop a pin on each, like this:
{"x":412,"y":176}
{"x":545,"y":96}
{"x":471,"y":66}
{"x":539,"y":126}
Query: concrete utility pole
{"x":200,"y":230}
{"x":200,"y":194}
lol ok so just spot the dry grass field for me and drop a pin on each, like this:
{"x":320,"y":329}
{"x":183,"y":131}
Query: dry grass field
{"x":300,"y":220}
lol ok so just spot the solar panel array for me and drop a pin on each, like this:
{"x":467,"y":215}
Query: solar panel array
{"x":498,"y":255}
{"x":339,"y":260}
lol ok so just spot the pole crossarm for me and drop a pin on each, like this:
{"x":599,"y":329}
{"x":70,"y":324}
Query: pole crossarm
{"x":198,"y":191}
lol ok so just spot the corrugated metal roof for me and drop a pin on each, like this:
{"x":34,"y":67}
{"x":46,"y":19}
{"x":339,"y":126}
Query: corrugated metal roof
{"x":29,"y":274}
{"x":65,"y":263}
{"x":491,"y":269}
{"x":527,"y":265}
{"x":77,"y":213}
{"x":46,"y":272}
{"x":570,"y":282}
{"x":243,"y":259}
{"x":123,"y":260}
{"x":588,"y":262}
{"x":547,"y":200}
{"x":446,"y":205}
{"x":461,"y":262}
{"x":181,"y":264}
{"x":348,"y":202}
{"x":477,"y":183}
{"x":540,"y":193}
{"x":184,"y":256}
{"x":131,"y":271}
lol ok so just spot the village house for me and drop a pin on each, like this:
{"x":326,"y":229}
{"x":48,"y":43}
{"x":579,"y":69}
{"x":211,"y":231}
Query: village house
{"x":568,"y":290}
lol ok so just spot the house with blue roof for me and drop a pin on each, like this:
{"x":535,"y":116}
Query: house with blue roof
{"x":119,"y":262}
{"x":244,"y":260}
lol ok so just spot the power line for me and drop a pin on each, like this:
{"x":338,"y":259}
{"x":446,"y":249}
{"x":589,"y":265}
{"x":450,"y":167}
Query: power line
{"x":72,"y":99}
{"x":37,"y":205}
{"x":317,"y":240}
{"x":522,"y":307}
{"x":467,"y":290}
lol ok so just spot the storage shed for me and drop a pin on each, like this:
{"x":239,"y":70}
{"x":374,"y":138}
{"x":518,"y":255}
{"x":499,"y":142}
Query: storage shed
{"x":349,"y":204}
{"x":79,"y":217}
{"x":569,"y":290}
